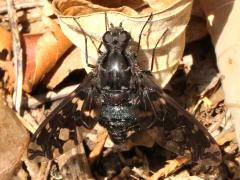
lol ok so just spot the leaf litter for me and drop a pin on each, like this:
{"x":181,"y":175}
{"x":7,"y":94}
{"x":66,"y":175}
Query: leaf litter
{"x":195,"y":85}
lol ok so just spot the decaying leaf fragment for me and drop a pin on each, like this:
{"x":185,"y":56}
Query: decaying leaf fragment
{"x":93,"y":17}
{"x":171,"y":167}
{"x":13,"y":140}
{"x":42,"y":53}
{"x":224,"y":31}
{"x":64,"y":67}
{"x":5,"y":58}
{"x":5,"y":44}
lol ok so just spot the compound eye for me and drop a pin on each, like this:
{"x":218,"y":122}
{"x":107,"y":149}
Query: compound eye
{"x":108,"y":37}
{"x":123,"y":36}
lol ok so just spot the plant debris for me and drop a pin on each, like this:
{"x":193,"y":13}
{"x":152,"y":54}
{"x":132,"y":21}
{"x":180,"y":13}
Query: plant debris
{"x":53,"y":67}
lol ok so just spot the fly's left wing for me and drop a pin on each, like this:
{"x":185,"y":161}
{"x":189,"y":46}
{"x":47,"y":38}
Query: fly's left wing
{"x":178,"y":131}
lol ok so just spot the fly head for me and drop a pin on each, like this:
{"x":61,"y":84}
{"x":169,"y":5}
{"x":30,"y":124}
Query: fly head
{"x":116,"y":39}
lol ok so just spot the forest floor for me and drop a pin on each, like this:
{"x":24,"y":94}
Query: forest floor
{"x":196,"y":86}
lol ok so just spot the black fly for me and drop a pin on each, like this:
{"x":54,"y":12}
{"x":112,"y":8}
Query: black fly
{"x":125,"y":100}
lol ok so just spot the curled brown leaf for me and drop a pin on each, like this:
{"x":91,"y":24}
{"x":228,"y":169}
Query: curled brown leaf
{"x":42,"y":53}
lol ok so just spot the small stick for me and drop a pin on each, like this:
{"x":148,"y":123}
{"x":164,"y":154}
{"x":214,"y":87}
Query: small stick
{"x":21,"y":6}
{"x":170,"y":168}
{"x":32,"y":168}
{"x":18,"y":58}
{"x":226,"y":136}
{"x":34,"y":102}
{"x":99,"y":146}
{"x":74,"y":164}
{"x":140,"y":172}
{"x":28,"y":122}
{"x":44,"y":170}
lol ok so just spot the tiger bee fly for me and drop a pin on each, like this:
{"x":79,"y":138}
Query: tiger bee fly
{"x":123,"y":98}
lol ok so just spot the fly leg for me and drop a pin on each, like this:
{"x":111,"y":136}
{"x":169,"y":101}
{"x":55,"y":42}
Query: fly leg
{"x":140,"y":35}
{"x":154,"y":49}
{"x":86,"y":50}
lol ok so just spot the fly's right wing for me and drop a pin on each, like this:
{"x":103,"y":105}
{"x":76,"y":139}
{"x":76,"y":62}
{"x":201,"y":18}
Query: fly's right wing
{"x":59,"y":128}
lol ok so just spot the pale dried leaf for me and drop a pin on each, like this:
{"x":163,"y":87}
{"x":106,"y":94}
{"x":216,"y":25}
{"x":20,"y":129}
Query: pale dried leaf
{"x":183,"y":175}
{"x":74,"y":164}
{"x":47,"y":8}
{"x":185,"y":178}
{"x":162,"y":5}
{"x":99,"y":146}
{"x":226,"y":136}
{"x":169,"y":168}
{"x":223,"y":26}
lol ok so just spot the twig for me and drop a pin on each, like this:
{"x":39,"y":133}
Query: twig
{"x":32,"y":168}
{"x":226,"y":136}
{"x":73,"y":164}
{"x":23,"y":5}
{"x":99,"y":146}
{"x":28,"y":122}
{"x":32,"y":103}
{"x":44,"y":170}
{"x":171,"y":167}
{"x":17,"y":51}
{"x":140,"y":172}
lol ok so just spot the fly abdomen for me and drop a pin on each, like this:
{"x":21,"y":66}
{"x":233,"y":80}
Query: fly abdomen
{"x":118,"y":120}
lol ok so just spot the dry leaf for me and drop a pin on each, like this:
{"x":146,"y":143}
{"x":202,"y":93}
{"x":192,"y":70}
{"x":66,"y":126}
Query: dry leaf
{"x":47,"y":9}
{"x":5,"y":57}
{"x":196,"y":29}
{"x":5,"y":43}
{"x":185,"y":178}
{"x":183,"y":175}
{"x":73,"y":164}
{"x":197,"y":10}
{"x":171,"y":167}
{"x":99,"y":146}
{"x":81,"y":7}
{"x":162,"y":5}
{"x":42,"y":53}
{"x":174,"y":16}
{"x":224,"y":31}
{"x":9,"y":76}
{"x":63,"y":68}
{"x":13,"y":142}
{"x":224,"y":137}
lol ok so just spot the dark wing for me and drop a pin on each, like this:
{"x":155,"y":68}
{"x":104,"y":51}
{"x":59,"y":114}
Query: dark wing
{"x":59,"y":128}
{"x":178,"y":131}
